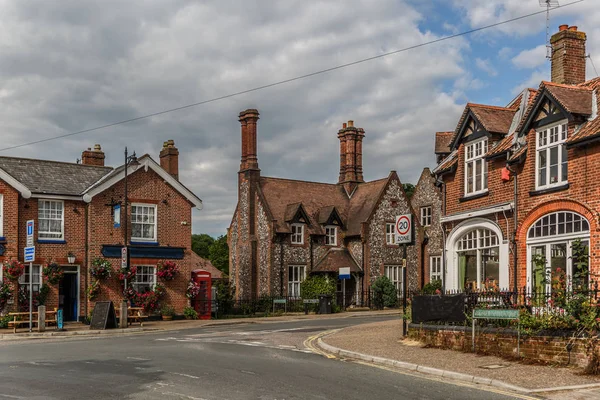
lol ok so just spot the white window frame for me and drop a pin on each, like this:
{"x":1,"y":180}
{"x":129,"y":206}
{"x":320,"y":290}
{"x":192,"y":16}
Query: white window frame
{"x":395,"y":274}
{"x":137,"y":284}
{"x":435,"y":268}
{"x":297,"y":234}
{"x":298,"y":273}
{"x":390,"y":233}
{"x":331,"y":235}
{"x":474,"y":152}
{"x":480,"y":240}
{"x":544,"y":142}
{"x":426,"y":214}
{"x":62,"y":221}
{"x":142,"y":239}
{"x":25,"y":282}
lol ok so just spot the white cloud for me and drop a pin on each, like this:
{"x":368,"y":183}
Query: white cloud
{"x":531,"y":58}
{"x":505,"y":53}
{"x":486,"y":66}
{"x":533,"y":81}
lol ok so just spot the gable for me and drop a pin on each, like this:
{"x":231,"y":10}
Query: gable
{"x":472,"y":129}
{"x":548,"y":112}
{"x":295,"y":213}
{"x":330,"y":216}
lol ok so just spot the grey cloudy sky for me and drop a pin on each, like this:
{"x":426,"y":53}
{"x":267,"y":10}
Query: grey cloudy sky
{"x":72,"y":65}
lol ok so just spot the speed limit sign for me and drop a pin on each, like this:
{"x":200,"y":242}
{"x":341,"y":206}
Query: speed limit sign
{"x":404,"y":229}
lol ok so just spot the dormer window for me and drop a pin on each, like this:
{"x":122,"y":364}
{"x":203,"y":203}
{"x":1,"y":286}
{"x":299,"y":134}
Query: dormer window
{"x":331,"y":235}
{"x":297,"y":233}
{"x":476,"y":173}
{"x":551,"y":158}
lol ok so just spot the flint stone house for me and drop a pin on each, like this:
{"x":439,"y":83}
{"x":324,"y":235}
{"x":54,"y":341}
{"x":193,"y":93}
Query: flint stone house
{"x":519,"y":181}
{"x":283,"y":230}
{"x":426,"y":201}
{"x":73,"y":208}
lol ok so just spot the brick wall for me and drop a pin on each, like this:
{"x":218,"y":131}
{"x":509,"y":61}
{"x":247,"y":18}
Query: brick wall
{"x":503,"y":343}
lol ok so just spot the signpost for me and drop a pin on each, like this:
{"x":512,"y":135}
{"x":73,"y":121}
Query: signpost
{"x":496,"y":314}
{"x":343,"y":275}
{"x":117,"y":216}
{"x":124,"y":265}
{"x":405,"y":236}
{"x":29,"y":257}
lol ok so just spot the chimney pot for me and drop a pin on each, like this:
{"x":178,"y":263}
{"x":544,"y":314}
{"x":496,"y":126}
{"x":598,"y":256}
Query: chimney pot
{"x":563,"y":27}
{"x":93,"y":157}
{"x":97,"y":147}
{"x":573,"y":28}
{"x":350,"y":123}
{"x":344,"y":125}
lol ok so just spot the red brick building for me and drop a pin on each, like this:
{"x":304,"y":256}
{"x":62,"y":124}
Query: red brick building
{"x":283,"y":230}
{"x":77,"y":208}
{"x":547,"y":142}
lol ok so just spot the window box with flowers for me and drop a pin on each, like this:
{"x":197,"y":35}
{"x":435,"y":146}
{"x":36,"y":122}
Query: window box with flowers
{"x":101,"y":269}
{"x":167,"y":270}
{"x":13,"y":270}
{"x":53,"y":273}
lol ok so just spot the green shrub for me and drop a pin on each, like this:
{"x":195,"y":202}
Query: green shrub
{"x":315,"y":285}
{"x":432,"y":287}
{"x":190,"y":313}
{"x":384,"y":293}
{"x":4,"y":322}
{"x":167,"y":310}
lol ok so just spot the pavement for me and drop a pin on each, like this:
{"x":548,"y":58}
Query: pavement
{"x":265,"y":360}
{"x":381,"y":343}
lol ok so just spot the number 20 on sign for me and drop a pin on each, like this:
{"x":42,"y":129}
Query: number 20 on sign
{"x":404,"y":229}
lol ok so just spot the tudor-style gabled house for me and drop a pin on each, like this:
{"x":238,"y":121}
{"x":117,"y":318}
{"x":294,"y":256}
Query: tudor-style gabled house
{"x":73,"y":208}
{"x":518,"y":181}
{"x":283,"y":230}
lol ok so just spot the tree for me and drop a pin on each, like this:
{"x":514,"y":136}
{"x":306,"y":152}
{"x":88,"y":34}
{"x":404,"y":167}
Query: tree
{"x":218,"y":254}
{"x":409,"y":189}
{"x":201,"y":243}
{"x":384,"y":293}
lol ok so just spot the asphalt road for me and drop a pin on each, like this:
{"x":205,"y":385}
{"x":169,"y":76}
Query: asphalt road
{"x":250,"y":361}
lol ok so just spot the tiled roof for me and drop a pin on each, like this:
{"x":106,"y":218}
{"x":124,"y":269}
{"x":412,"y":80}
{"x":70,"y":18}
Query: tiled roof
{"x":53,"y":177}
{"x":516,"y":155}
{"x":334,"y":259}
{"x":502,"y":147}
{"x":494,"y":119}
{"x":283,"y":196}
{"x":442,"y":142}
{"x":446,"y":164}
{"x":574,"y":99}
{"x":202,"y":263}
{"x":591,"y":128}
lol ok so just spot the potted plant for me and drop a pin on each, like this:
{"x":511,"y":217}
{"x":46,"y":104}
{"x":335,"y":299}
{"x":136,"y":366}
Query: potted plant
{"x":93,"y":290}
{"x":167,"y":312}
{"x":167,"y":270}
{"x":190,"y":313}
{"x":13,"y":269}
{"x":5,"y":294}
{"x":53,"y":273}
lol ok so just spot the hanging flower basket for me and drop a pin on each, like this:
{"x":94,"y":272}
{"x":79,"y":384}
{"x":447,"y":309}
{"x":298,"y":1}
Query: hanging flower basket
{"x":93,"y":290}
{"x":53,"y":273}
{"x":192,"y":290}
{"x":101,"y":268}
{"x":13,"y":269}
{"x":127,"y":273}
{"x":5,"y":294}
{"x":167,"y":270}
{"x":150,"y":300}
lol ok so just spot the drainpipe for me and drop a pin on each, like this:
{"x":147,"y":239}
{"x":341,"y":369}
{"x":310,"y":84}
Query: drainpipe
{"x":423,"y":244}
{"x":85,"y":257}
{"x":514,"y":238}
{"x":443,"y":185}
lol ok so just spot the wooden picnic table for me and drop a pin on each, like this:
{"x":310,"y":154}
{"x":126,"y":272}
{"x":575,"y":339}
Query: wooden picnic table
{"x":22,"y":318}
{"x":134,"y":314}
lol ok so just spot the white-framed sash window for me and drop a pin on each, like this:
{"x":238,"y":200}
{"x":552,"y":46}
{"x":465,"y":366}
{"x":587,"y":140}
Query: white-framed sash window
{"x":390,"y":233}
{"x":331,"y":235}
{"x":296,"y":274}
{"x":51,"y":220}
{"x":551,"y":165}
{"x":394,"y":274}
{"x":435,"y":268}
{"x":143,"y":222}
{"x":36,"y":278}
{"x":297,"y":234}
{"x":476,"y":170}
{"x":145,"y":278}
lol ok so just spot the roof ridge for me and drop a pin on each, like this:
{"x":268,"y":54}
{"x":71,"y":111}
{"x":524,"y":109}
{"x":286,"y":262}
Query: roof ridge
{"x":562,"y":85}
{"x":56,"y":162}
{"x":489,"y":106}
{"x":298,"y":180}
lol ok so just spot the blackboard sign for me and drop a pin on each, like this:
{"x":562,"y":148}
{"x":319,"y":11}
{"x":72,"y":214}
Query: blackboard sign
{"x":427,"y":308}
{"x":104,"y":316}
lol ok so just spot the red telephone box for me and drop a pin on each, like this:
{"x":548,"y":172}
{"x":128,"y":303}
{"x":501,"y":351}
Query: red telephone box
{"x":203,"y":302}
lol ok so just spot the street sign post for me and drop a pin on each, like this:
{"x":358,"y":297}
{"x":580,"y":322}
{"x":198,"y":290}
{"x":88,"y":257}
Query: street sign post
{"x":124,"y":265}
{"x":343,"y":275}
{"x":29,"y":257}
{"x":404,"y":236}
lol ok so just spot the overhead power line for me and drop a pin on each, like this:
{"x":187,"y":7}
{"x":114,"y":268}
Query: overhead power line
{"x":297,"y":78}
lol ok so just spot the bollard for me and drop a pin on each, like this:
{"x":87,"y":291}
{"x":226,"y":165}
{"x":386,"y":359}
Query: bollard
{"x":41,"y":318}
{"x":123,"y":317}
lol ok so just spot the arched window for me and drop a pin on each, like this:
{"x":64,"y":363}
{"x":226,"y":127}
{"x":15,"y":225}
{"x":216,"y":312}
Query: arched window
{"x":551,"y":240}
{"x":478,"y":260}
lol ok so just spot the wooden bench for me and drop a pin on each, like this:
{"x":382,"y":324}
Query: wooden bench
{"x":134,"y":314}
{"x":22,"y":318}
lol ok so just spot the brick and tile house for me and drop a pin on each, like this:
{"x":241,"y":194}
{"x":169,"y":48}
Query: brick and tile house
{"x":283,"y":230}
{"x":518,"y":180}
{"x":73,"y":207}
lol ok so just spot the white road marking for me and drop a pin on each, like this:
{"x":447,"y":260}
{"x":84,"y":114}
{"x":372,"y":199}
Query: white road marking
{"x":138,"y":359}
{"x":8,"y":396}
{"x":186,"y":375}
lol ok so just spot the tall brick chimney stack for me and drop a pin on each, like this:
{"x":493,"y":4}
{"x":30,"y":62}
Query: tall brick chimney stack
{"x":93,"y":157}
{"x":169,"y":158}
{"x":351,"y":171}
{"x":568,"y":55}
{"x":248,"y":120}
